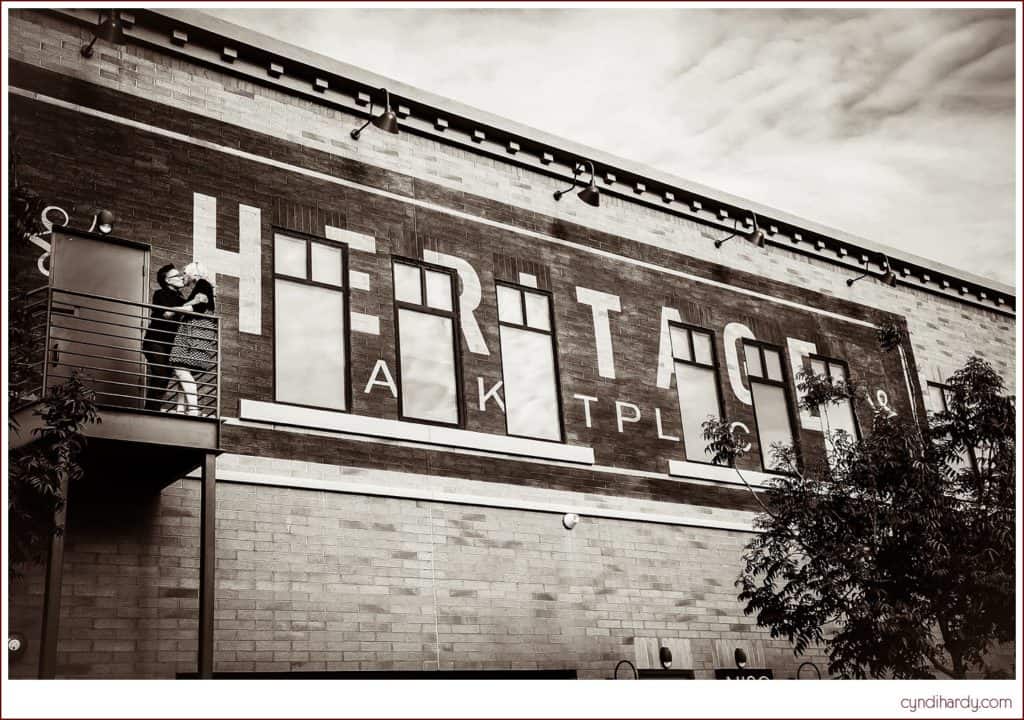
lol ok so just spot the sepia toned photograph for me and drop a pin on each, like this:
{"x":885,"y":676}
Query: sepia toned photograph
{"x":548,"y":342}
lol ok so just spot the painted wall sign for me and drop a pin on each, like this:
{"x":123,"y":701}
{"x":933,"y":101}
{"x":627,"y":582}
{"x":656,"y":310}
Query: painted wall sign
{"x":612,"y":305}
{"x":744,"y":674}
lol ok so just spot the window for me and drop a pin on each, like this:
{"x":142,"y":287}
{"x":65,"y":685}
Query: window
{"x":834,"y":416}
{"x":693,"y":352}
{"x":529,"y":368}
{"x":429,"y":375}
{"x":771,"y":404}
{"x":310,"y":321}
{"x":938,"y":397}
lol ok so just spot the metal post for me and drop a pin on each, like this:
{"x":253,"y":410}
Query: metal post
{"x":52,"y":591}
{"x":207,"y":560}
{"x":217,"y":408}
{"x":46,"y":339}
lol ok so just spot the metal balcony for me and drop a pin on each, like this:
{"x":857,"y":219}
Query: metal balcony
{"x":100,"y":339}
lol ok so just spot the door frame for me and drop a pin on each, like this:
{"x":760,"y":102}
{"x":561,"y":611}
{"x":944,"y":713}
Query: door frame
{"x":112,"y":239}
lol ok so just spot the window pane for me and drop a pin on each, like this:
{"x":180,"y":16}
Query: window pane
{"x":753,"y":356}
{"x":772,"y":365}
{"x":289,"y":256}
{"x":309,"y":345}
{"x":772,"y":417}
{"x":680,"y":342}
{"x":531,"y":389}
{"x":838,"y":372}
{"x":818,"y":367}
{"x":698,"y":400}
{"x":439,"y":290}
{"x":326,"y":264}
{"x":701,"y":347}
{"x":835,"y":418}
{"x":838,"y":417}
{"x":510,"y":307}
{"x":937,"y":398}
{"x":427,"y":367}
{"x":407,"y":284}
{"x":537,"y":311}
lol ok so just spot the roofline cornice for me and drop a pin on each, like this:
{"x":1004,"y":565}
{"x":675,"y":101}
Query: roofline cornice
{"x":259,"y":58}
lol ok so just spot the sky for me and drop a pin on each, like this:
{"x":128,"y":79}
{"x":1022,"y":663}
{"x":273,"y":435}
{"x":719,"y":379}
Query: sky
{"x":896,"y":125}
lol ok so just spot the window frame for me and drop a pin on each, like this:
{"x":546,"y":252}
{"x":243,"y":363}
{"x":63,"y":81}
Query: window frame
{"x":344,"y":290}
{"x":522,"y":290}
{"x":944,"y":389}
{"x":794,"y":427}
{"x":828,"y":372}
{"x":453,"y":315}
{"x":714,"y":366}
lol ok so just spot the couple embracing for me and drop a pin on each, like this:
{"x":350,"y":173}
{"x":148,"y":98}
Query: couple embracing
{"x":179,"y":343}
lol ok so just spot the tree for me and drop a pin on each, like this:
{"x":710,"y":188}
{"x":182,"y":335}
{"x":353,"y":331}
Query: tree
{"x":39,"y":471}
{"x":895,"y":554}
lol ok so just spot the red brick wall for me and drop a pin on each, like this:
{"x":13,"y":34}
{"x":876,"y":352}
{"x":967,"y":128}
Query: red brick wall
{"x":110,"y":166}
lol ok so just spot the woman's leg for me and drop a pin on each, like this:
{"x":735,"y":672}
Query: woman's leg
{"x":188,"y":387}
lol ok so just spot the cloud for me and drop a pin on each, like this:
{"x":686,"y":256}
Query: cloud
{"x":894,"y":124}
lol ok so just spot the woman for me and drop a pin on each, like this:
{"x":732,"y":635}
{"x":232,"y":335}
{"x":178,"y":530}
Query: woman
{"x":159,"y":338}
{"x":195,"y":347}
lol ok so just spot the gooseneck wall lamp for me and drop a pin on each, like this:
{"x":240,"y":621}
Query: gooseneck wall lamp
{"x":109,"y":27}
{"x":386,"y":121}
{"x":755,"y":236}
{"x":888,"y":276}
{"x":722,"y":241}
{"x":590,"y":194}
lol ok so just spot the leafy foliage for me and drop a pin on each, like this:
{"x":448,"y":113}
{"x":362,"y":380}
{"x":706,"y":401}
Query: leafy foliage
{"x":889,"y":336}
{"x":40,"y":469}
{"x":893,"y":555}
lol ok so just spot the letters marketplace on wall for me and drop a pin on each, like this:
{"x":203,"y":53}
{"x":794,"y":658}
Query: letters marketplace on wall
{"x":223,"y":195}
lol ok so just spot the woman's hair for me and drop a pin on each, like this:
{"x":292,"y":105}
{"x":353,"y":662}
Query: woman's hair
{"x":161,"y":274}
{"x":196,"y":271}
{"x":203,"y":286}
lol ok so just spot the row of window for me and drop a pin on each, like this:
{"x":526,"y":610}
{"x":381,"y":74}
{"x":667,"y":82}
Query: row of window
{"x":311,"y":352}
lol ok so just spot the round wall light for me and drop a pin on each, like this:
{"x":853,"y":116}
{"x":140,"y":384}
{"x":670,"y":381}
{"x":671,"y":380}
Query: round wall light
{"x":570,"y":520}
{"x":665,"y":656}
{"x":103,"y":222}
{"x":15,"y":645}
{"x":741,"y":658}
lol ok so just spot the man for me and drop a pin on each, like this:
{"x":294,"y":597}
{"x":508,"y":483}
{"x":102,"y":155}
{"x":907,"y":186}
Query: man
{"x":159,"y":339}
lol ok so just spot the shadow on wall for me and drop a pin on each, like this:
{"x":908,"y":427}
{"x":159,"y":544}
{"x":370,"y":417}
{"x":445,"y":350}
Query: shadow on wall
{"x":129,"y":567}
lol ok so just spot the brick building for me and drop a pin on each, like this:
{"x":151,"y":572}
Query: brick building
{"x":425,"y":362}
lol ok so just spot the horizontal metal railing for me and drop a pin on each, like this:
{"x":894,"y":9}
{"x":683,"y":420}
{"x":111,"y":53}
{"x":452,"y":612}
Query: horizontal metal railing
{"x":103,"y":341}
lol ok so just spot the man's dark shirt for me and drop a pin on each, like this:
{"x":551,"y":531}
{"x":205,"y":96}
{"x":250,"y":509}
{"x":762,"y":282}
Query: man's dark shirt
{"x":162,"y":330}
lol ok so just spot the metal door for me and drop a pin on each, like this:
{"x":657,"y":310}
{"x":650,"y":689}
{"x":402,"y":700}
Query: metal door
{"x":96,"y":317}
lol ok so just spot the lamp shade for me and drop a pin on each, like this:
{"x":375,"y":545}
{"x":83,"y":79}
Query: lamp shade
{"x":104,"y":221}
{"x":590,"y":195}
{"x":387,"y":121}
{"x":110,"y":27}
